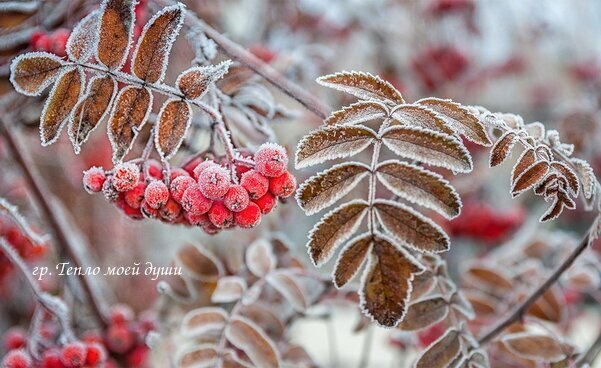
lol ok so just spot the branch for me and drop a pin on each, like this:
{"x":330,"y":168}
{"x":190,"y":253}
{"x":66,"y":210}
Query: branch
{"x":591,"y":354}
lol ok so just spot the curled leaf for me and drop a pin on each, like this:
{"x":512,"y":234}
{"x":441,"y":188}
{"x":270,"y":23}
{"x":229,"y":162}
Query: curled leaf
{"x":502,"y":148}
{"x":115,"y":33}
{"x":362,"y":85}
{"x":357,"y":113}
{"x":229,"y":289}
{"x":290,"y":288}
{"x":33,"y":72}
{"x":569,"y":174}
{"x":205,"y":320}
{"x":527,"y":158}
{"x":248,"y":337}
{"x":586,"y":175}
{"x":198,"y":356}
{"x":260,"y":259}
{"x":199,"y":263}
{"x":535,"y":347}
{"x":172,"y":124}
{"x":442,"y":352}
{"x":425,"y":313}
{"x":530,"y":177}
{"x":351,"y":259}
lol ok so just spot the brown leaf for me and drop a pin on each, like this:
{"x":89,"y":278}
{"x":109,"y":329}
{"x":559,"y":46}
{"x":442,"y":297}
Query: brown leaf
{"x":331,"y":143}
{"x":586,"y":175}
{"x":419,"y":186}
{"x":527,"y":158}
{"x":460,"y":118}
{"x":266,"y":317}
{"x":259,"y":257}
{"x":173,"y":122}
{"x":351,"y":259}
{"x":423,"y":284}
{"x":91,"y":110}
{"x":194,"y":82}
{"x":130,"y":112}
{"x":502,"y":148}
{"x":60,"y":104}
{"x":442,"y":351}
{"x":115,"y":33}
{"x":483,"y":304}
{"x":475,"y":359}
{"x":489,"y":276}
{"x":553,"y":211}
{"x":420,"y":116}
{"x":33,"y":72}
{"x":536,"y":130}
{"x":425,"y":313}
{"x":230,"y":359}
{"x":198,"y":356}
{"x":229,"y":289}
{"x":204,"y":320}
{"x":411,"y":228}
{"x":570,"y":176}
{"x":199,"y":263}
{"x":322,"y":190}
{"x":541,"y":187}
{"x":428,"y":146}
{"x":334,"y":228}
{"x":154,"y":45}
{"x":83,"y":38}
{"x":357,"y":113}
{"x":289,"y":287}
{"x":549,"y":306}
{"x":248,"y":337}
{"x":386,"y":282}
{"x":460,"y":304}
{"x":530,"y":177}
{"x":362,"y":85}
{"x":535,"y":347}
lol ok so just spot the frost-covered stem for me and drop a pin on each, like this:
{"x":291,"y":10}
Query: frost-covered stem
{"x":20,"y":221}
{"x":590,"y":355}
{"x":518,"y":312}
{"x":42,"y":196}
{"x":372,"y":179}
{"x":147,"y":151}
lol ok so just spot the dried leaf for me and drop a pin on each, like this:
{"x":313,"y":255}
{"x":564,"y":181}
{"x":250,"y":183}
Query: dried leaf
{"x":351,"y":259}
{"x":229,"y":289}
{"x":248,"y":337}
{"x":425,"y":313}
{"x":423,"y":284}
{"x":462,"y":305}
{"x":549,"y":307}
{"x":362,"y":85}
{"x":411,"y":228}
{"x":199,"y":263}
{"x":357,"y":113}
{"x":91,"y":110}
{"x":569,"y":174}
{"x":428,"y":146}
{"x":332,"y":142}
{"x":530,"y":177}
{"x":230,"y":359}
{"x":489,"y":276}
{"x":154,"y":44}
{"x":419,"y":186}
{"x":535,"y":347}
{"x":195,"y":82}
{"x":475,"y":359}
{"x":132,"y":107}
{"x":84,"y":37}
{"x":266,"y":317}
{"x":386,"y":282}
{"x":260,"y":259}
{"x":290,"y":288}
{"x":536,"y":130}
{"x":205,"y":320}
{"x":460,"y":118}
{"x":322,"y":190}
{"x":60,"y":104}
{"x":483,"y":305}
{"x":115,"y":33}
{"x":442,"y":352}
{"x":421,"y":116}
{"x":527,"y":158}
{"x":502,"y":148}
{"x":173,"y":122}
{"x":335,"y":228}
{"x":198,"y":356}
{"x":553,"y":211}
{"x":586,"y":175}
{"x":33,"y":72}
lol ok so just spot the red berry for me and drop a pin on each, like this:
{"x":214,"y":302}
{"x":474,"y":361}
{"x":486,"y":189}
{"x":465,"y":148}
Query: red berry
{"x":220,"y":216}
{"x":271,"y":159}
{"x":214,"y":182}
{"x":17,"y":359}
{"x":156,"y":194}
{"x":119,"y":338}
{"x":137,"y":357}
{"x":73,"y":355}
{"x":170,"y":210}
{"x":121,"y":314}
{"x":283,"y":185}
{"x":134,"y":213}
{"x":178,"y":172}
{"x":148,"y":212}
{"x":126,"y":176}
{"x":255,"y":184}
{"x":200,"y":167}
{"x":14,"y":338}
{"x":236,"y":199}
{"x":266,"y":203}
{"x":51,"y":359}
{"x":179,"y":185}
{"x":95,"y":354}
{"x":93,"y":179}
{"x":194,"y":202}
{"x":109,"y":191}
{"x":249,"y":217}
{"x":155,"y":169}
{"x":134,"y":197}
{"x":59,"y":41}
{"x":197,"y":220}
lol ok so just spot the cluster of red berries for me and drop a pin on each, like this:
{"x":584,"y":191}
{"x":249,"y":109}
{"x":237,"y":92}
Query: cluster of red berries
{"x":54,"y":42}
{"x":24,"y":246}
{"x":202,"y":193}
{"x":438,"y":65}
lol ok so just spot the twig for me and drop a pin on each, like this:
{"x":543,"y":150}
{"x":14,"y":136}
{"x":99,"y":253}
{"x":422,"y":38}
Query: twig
{"x":590,"y":354}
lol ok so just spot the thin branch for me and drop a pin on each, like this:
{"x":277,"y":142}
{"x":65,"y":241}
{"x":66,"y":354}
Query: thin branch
{"x":590,"y":355}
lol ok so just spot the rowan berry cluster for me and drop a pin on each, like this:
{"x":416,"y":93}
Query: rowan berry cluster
{"x":202,"y":193}
{"x":54,"y":42}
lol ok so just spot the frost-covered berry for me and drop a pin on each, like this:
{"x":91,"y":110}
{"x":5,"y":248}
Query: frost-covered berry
{"x":51,"y":359}
{"x":249,"y":217}
{"x":73,"y":355}
{"x":220,"y":216}
{"x":17,"y":359}
{"x":201,"y":167}
{"x":126,"y":176}
{"x":255,"y":184}
{"x":194,"y":201}
{"x":236,"y":199}
{"x":134,"y":197}
{"x":214,"y":182}
{"x":149,"y":212}
{"x":109,"y":191}
{"x":271,"y":159}
{"x":266,"y":203}
{"x":93,"y":179}
{"x":178,"y":172}
{"x":119,"y":338}
{"x":155,"y":170}
{"x":283,"y":185}
{"x":120,"y":314}
{"x":133,"y":213}
{"x":156,"y":194}
{"x":197,"y":220}
{"x":14,"y":338}
{"x":170,"y":210}
{"x":179,"y":185}
{"x":95,"y":354}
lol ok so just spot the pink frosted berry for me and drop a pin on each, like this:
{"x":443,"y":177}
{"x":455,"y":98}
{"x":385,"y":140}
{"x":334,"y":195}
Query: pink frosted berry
{"x":266,"y":203}
{"x":178,"y":172}
{"x":194,"y":201}
{"x":126,"y":176}
{"x":134,"y":197}
{"x":201,"y":167}
{"x":73,"y":355}
{"x":149,"y":212}
{"x":170,"y":210}
{"x":271,"y":159}
{"x":179,"y":185}
{"x":236,"y":199}
{"x":255,"y":184}
{"x":197,"y":220}
{"x":214,"y":182}
{"x":17,"y":359}
{"x":220,"y":216}
{"x":14,"y":338}
{"x":109,"y":191}
{"x":93,"y":179}
{"x":283,"y":185}
{"x":156,"y":194}
{"x":248,"y":217}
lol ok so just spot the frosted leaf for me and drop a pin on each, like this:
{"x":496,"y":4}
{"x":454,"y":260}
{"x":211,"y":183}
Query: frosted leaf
{"x":550,"y":306}
{"x":335,"y":228}
{"x":230,"y":359}
{"x":530,"y":177}
{"x":553,"y":211}
{"x":229,"y":289}
{"x":173,"y":122}
{"x":502,"y":148}
{"x":19,"y":6}
{"x":483,"y":305}
{"x":584,"y":278}
{"x":195,"y":82}
{"x":327,"y":187}
{"x":428,"y":146}
{"x":411,"y":228}
{"x":331,"y":143}
{"x":536,"y":347}
{"x":250,"y":338}
{"x":260,"y":259}
{"x":84,"y":37}
{"x":204,"y":48}
{"x":154,"y":44}
{"x":586,"y":175}
{"x":362,"y":85}
{"x":32,"y":73}
{"x":488,"y":277}
{"x":420,"y":186}
{"x":198,"y":356}
{"x":423,"y":284}
{"x":257,"y":97}
{"x":513,"y":121}
{"x":252,"y":294}
{"x":442,"y":351}
{"x":12,"y":210}
{"x":357,"y":113}
{"x":115,"y":32}
{"x":569,"y":174}
{"x":289,"y":287}
{"x":541,"y":188}
{"x":536,"y":130}
{"x":425,"y":313}
{"x":199,"y":263}
{"x":265,"y":316}
{"x":421,"y":116}
{"x":526,"y":159}
{"x":462,"y":305}
{"x":351,"y":258}
{"x":204,"y":320}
